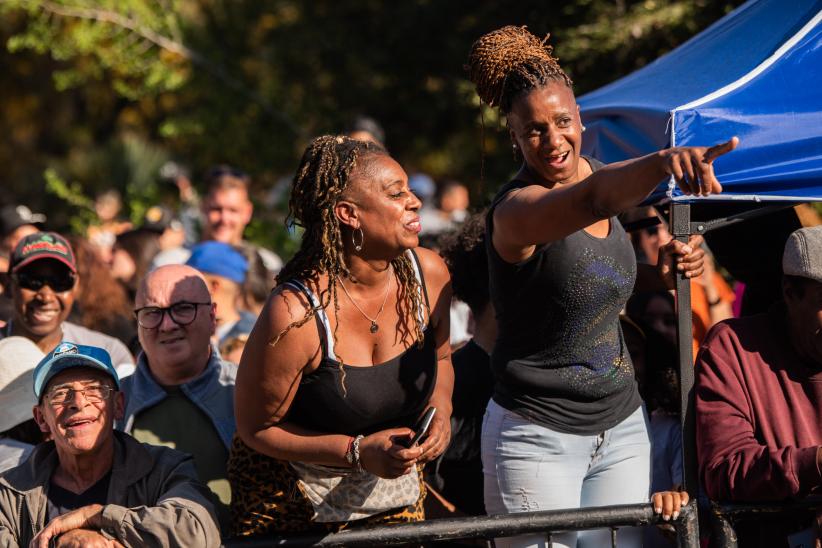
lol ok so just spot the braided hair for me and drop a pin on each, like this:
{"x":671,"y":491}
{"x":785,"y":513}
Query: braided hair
{"x":509,"y":62}
{"x":324,"y":176}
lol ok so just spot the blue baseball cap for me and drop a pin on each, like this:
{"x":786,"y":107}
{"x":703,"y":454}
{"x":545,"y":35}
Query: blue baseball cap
{"x":219,"y":259}
{"x":422,"y":186}
{"x":67,"y":355}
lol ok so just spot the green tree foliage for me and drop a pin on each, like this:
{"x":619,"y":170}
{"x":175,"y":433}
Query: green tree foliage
{"x":105,"y":90}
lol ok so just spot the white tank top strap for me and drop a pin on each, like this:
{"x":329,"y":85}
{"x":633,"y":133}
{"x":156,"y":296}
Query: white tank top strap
{"x":415,"y":263}
{"x":323,"y":324}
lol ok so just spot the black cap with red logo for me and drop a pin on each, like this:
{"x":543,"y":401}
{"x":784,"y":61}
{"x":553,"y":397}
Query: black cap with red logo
{"x":42,"y":245}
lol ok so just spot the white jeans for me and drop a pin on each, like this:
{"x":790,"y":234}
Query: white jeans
{"x":528,"y":468}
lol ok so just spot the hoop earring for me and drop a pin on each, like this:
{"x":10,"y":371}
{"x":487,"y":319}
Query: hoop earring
{"x":357,"y":247}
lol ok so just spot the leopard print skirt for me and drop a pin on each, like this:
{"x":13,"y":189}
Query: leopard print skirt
{"x":265,"y":499}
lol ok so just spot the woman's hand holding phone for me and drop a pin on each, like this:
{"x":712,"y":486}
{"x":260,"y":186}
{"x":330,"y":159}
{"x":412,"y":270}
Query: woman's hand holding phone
{"x":421,"y":428}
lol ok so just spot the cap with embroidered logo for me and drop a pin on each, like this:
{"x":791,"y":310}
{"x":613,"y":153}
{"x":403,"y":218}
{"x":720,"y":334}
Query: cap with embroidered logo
{"x":67,"y":355}
{"x":42,"y":245}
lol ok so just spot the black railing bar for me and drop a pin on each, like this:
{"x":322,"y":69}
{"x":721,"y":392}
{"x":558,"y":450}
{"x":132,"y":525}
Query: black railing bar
{"x":475,"y":527}
{"x":737,"y":510}
{"x":701,"y":227}
{"x":613,"y":537}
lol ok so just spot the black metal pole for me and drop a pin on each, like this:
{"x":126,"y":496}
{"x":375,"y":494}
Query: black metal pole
{"x":724,"y":534}
{"x":687,"y":527}
{"x":680,"y":223}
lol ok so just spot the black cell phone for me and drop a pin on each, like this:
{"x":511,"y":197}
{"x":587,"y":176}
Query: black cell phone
{"x":422,"y":426}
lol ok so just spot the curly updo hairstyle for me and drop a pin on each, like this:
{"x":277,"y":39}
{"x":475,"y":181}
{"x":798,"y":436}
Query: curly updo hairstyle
{"x":509,"y":62}
{"x":324,"y":175}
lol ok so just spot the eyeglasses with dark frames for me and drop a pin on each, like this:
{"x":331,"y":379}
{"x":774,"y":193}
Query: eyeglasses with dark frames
{"x":182,"y":313}
{"x":35,"y":282}
{"x":64,"y":395}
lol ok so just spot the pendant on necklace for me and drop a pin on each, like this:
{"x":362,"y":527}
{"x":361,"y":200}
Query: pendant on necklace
{"x":374,"y":327}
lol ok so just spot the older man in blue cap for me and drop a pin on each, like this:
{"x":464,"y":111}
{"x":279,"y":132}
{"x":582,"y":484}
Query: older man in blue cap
{"x":91,"y":485}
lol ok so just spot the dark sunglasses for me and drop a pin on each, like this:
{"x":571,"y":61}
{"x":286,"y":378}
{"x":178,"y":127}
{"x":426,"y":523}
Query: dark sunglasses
{"x":35,"y":282}
{"x":652,"y":230}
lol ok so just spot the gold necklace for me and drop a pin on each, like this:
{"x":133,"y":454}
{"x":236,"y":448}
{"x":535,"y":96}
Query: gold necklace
{"x":374,"y":327}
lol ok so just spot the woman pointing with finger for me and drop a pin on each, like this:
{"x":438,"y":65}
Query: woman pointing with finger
{"x":566,"y":426}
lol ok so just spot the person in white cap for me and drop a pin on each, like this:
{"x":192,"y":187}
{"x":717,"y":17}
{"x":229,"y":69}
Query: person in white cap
{"x":18,"y":357}
{"x":90,"y":485}
{"x":759,"y":399}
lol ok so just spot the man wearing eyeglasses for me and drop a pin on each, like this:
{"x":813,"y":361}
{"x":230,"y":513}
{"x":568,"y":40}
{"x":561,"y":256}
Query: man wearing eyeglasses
{"x":182,"y":393}
{"x":90,"y":485}
{"x":43,"y":283}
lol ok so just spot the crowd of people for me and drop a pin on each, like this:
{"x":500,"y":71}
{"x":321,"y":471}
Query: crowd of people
{"x":162,"y":387}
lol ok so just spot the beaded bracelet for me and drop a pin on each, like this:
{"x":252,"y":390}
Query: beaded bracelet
{"x":352,"y":454}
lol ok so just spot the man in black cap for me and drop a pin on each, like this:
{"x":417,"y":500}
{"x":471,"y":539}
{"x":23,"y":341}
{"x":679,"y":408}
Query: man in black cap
{"x":43,"y":284}
{"x":16,"y":222}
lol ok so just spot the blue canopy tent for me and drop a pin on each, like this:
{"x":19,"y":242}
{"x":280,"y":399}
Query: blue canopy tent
{"x":757,"y":74}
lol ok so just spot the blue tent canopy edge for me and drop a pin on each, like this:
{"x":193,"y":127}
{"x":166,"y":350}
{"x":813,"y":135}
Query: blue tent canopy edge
{"x":757,"y":74}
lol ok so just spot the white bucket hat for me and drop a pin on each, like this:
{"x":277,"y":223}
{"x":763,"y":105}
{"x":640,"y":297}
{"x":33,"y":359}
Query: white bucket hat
{"x":18,"y":357}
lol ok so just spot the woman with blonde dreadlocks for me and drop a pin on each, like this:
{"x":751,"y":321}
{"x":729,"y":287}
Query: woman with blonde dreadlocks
{"x":349,"y":351}
{"x":566,"y":427}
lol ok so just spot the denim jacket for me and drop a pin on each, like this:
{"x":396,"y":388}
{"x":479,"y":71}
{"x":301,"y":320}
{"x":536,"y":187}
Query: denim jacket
{"x":212,"y":392}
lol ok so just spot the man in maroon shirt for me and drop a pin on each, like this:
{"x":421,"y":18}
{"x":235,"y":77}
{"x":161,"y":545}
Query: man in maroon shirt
{"x":759,"y":397}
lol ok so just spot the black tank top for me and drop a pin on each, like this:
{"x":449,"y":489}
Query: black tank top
{"x":386,"y":395}
{"x":560,"y":358}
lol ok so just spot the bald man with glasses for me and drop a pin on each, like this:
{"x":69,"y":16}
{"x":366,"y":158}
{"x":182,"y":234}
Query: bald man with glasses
{"x":182,"y":393}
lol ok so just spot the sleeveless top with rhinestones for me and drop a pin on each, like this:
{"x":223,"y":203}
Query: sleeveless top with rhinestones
{"x":377,"y":397}
{"x":560,"y":358}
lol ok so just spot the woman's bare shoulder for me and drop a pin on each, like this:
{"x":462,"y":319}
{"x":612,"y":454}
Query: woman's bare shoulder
{"x":286,"y":304}
{"x":433,"y":266}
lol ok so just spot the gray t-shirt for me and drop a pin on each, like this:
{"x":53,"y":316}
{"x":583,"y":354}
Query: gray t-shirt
{"x":118,"y":351}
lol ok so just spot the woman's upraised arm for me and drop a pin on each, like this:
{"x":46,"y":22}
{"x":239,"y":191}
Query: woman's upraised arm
{"x":536,"y":215}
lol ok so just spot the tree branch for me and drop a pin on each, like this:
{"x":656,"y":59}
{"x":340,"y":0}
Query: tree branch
{"x":117,"y":19}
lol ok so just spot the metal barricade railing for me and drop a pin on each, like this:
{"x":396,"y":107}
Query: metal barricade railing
{"x":726,"y":515}
{"x":490,"y":527}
